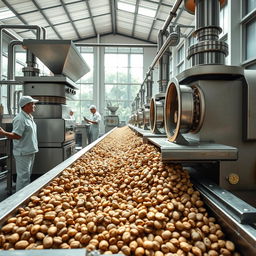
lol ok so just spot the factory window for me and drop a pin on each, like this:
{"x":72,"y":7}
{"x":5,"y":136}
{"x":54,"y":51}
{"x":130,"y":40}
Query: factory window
{"x":224,"y":20}
{"x":180,"y":59}
{"x":84,"y":95}
{"x":191,"y":40}
{"x":123,"y":75}
{"x":250,"y":6}
{"x":170,"y":68}
{"x":249,"y":33}
{"x":250,"y":39}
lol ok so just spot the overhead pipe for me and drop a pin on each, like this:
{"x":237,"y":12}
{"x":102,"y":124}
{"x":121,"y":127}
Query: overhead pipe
{"x":171,"y":15}
{"x":30,"y":58}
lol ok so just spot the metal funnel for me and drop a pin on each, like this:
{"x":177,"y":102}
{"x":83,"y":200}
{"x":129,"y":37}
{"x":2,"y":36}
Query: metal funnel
{"x":60,"y":56}
{"x":113,"y":109}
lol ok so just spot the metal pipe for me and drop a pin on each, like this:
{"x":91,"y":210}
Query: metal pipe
{"x":3,"y":27}
{"x":171,"y":40}
{"x":115,"y":45}
{"x":44,"y":32}
{"x":18,"y":99}
{"x":9,"y":33}
{"x":171,"y":15}
{"x":10,"y":72}
{"x":149,"y":87}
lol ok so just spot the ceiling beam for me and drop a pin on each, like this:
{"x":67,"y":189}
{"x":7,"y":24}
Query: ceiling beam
{"x":70,"y":19}
{"x":154,"y":21}
{"x":46,"y":18}
{"x":135,"y":16}
{"x":66,"y":22}
{"x":17,"y":14}
{"x":91,"y":17}
{"x":138,"y":39}
{"x":112,"y":5}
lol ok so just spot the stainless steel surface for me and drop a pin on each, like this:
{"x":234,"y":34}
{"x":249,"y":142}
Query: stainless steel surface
{"x":208,"y":52}
{"x":172,"y":40}
{"x":250,"y":77}
{"x":208,"y":49}
{"x":60,"y":56}
{"x":210,"y":72}
{"x":243,"y":235}
{"x":48,"y":79}
{"x":139,"y":117}
{"x":54,"y":131}
{"x":82,"y":135}
{"x":149,"y":88}
{"x":146,"y":133}
{"x":10,"y":205}
{"x":112,"y":109}
{"x":164,"y":63}
{"x":194,"y":152}
{"x":234,"y":206}
{"x":207,"y":14}
{"x":49,"y":157}
{"x":48,"y":111}
{"x":184,"y":110}
{"x":146,"y":117}
{"x":225,"y":116}
{"x":157,"y":115}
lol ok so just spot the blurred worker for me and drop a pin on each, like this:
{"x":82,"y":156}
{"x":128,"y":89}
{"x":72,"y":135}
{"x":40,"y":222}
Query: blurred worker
{"x":95,"y":123}
{"x":25,"y":145}
{"x":71,"y":115}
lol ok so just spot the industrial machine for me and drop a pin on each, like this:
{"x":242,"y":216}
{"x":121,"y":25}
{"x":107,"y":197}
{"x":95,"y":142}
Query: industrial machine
{"x":209,"y":118}
{"x":56,"y":132}
{"x":111,"y":120}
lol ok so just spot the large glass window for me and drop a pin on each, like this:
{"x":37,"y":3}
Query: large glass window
{"x":249,"y":34}
{"x":84,"y":95}
{"x":224,"y":20}
{"x":251,"y":39}
{"x":180,"y":59}
{"x":123,"y":76}
{"x":250,"y":5}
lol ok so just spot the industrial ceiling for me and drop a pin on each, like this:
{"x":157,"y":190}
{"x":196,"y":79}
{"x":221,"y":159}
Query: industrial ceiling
{"x":84,"y":19}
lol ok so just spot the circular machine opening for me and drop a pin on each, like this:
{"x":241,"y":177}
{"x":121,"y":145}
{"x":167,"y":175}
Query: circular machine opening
{"x":152,"y":115}
{"x":172,"y":111}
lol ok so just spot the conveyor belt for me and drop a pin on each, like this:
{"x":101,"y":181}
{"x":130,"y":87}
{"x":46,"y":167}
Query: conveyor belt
{"x":231,"y":212}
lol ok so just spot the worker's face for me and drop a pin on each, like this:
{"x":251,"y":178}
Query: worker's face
{"x":30,"y":107}
{"x":93,"y":110}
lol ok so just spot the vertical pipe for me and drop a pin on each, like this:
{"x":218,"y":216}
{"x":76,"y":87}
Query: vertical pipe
{"x":10,"y":72}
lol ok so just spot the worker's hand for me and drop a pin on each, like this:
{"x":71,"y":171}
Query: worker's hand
{"x":2,"y":131}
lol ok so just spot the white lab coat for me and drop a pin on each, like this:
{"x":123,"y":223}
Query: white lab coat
{"x":95,"y":128}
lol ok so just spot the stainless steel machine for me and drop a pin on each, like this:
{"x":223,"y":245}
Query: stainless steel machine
{"x":210,"y":124}
{"x":56,"y":132}
{"x":111,"y":120}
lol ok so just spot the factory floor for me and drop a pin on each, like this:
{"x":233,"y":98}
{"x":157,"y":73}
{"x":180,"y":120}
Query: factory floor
{"x":3,"y":190}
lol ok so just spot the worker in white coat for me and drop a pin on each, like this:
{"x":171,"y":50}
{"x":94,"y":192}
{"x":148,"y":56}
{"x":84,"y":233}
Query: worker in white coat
{"x":95,"y":123}
{"x":24,"y":136}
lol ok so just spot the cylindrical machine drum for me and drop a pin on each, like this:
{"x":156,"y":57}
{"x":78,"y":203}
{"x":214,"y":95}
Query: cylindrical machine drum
{"x":157,"y":113}
{"x":139,"y":117}
{"x":184,"y":110}
{"x":146,"y":117}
